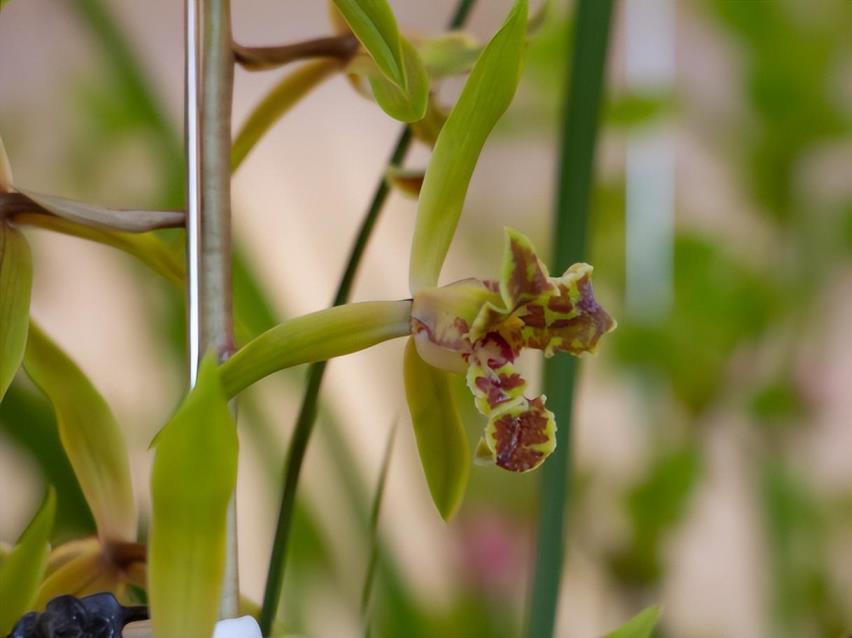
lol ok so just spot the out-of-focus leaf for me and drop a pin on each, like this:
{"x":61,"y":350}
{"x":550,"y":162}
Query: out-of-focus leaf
{"x":281,"y":98}
{"x":133,"y":221}
{"x":406,"y":181}
{"x":450,"y":54}
{"x":407,"y":103}
{"x":5,"y":165}
{"x":147,"y":248}
{"x":441,"y":438}
{"x":373,"y":23}
{"x":16,"y":275}
{"x":637,"y":109}
{"x":23,"y":568}
{"x":428,"y":129}
{"x":89,"y":572}
{"x":27,"y":420}
{"x":640,"y":626}
{"x":484,"y":98}
{"x":193,"y":478}
{"x":90,"y":435}
{"x":316,"y":337}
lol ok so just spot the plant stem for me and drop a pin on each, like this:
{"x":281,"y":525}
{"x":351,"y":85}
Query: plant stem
{"x":308,"y":410}
{"x":341,"y":47}
{"x":209,"y":218}
{"x":575,"y":177}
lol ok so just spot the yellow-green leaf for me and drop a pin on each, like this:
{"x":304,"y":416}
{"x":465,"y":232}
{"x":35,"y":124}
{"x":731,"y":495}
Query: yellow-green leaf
{"x":450,"y":54}
{"x":318,"y":336}
{"x":193,"y":478}
{"x":484,"y":98}
{"x":16,"y":274}
{"x":146,"y":247}
{"x":90,"y":436}
{"x":278,"y":101}
{"x":441,"y":439}
{"x":373,"y":23}
{"x":24,"y":567}
{"x":406,"y":103}
{"x":640,"y":626}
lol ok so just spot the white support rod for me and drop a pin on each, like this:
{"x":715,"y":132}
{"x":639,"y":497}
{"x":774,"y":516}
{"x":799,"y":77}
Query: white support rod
{"x":192,"y":91}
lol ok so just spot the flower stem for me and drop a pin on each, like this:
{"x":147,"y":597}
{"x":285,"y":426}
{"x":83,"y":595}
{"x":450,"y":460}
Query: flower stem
{"x":340,"y":47}
{"x":580,"y":125}
{"x":308,"y":410}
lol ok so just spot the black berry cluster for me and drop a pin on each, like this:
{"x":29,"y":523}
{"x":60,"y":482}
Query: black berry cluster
{"x":96,"y":616}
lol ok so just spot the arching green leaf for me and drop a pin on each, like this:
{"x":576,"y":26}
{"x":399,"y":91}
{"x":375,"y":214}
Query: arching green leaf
{"x":640,"y":626}
{"x":194,"y":475}
{"x":484,"y":98}
{"x":441,"y":438}
{"x":16,"y":274}
{"x":90,"y":435}
{"x":373,"y":23}
{"x":22,"y":570}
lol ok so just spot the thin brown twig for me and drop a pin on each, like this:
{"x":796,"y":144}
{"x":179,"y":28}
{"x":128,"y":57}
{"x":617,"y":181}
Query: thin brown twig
{"x":342,"y":47}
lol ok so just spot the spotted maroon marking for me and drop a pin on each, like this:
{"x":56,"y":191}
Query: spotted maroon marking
{"x":522,"y":284}
{"x":515,"y":434}
{"x":496,"y":390}
{"x":507,"y":354}
{"x":562,"y":302}
{"x":534,"y":317}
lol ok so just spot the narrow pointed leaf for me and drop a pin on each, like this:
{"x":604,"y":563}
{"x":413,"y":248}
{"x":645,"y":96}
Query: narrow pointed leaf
{"x":90,"y":435}
{"x":134,"y":221}
{"x":23,"y":568}
{"x":193,"y":478}
{"x":147,"y":247}
{"x":316,"y":337}
{"x":640,"y":626}
{"x":441,"y":439}
{"x":484,"y":98}
{"x":408,"y":103}
{"x":373,"y":23}
{"x":16,"y":274}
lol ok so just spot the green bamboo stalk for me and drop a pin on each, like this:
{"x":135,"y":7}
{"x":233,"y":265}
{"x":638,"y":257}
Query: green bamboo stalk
{"x":308,"y":410}
{"x":581,"y":111}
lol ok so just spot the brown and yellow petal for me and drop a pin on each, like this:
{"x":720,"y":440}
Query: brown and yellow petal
{"x":521,"y":434}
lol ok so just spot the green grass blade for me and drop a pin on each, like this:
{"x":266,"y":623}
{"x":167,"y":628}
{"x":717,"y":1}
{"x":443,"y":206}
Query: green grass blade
{"x":485,"y":97}
{"x":580,"y":124}
{"x":373,"y":531}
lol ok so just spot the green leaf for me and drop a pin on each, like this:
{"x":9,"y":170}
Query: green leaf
{"x":640,"y":626}
{"x":16,"y":274}
{"x":193,"y":478}
{"x":22,"y":570}
{"x":146,"y":247}
{"x":453,"y":53}
{"x":133,"y":221}
{"x":90,"y":435}
{"x":406,"y":104}
{"x":316,"y":337}
{"x":484,"y":98}
{"x":373,"y":23}
{"x":441,"y":438}
{"x":280,"y":100}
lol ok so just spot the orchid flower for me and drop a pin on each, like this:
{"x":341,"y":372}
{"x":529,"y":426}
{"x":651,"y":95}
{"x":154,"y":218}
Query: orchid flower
{"x":476,"y":328}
